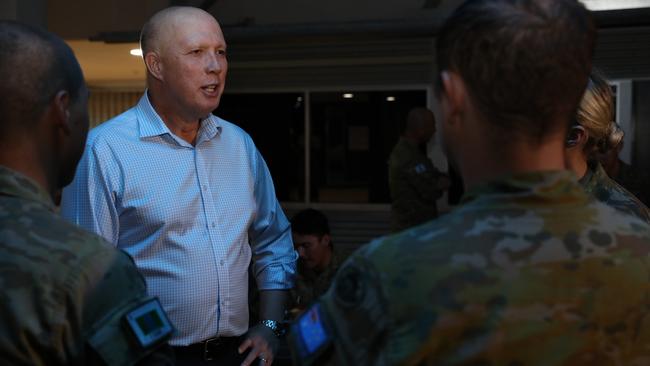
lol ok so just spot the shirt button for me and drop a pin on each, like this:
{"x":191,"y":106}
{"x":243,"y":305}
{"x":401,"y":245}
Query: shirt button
{"x":214,"y":224}
{"x":205,"y":188}
{"x":221,"y":262}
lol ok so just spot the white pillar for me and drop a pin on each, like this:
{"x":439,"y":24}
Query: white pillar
{"x":624,"y":117}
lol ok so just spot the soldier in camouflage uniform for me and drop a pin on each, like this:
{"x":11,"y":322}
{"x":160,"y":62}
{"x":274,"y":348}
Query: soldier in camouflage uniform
{"x":529,"y":270}
{"x":318,"y":260}
{"x":595,"y":133}
{"x":597,"y":183}
{"x":415,"y":184}
{"x":635,"y":181}
{"x":65,"y":292}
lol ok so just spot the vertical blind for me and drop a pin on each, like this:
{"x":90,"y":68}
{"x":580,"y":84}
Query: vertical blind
{"x":106,"y":104}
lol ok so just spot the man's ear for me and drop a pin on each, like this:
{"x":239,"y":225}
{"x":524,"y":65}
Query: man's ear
{"x":326,"y":239}
{"x":61,"y":110}
{"x":453,"y":95}
{"x":152,"y":61}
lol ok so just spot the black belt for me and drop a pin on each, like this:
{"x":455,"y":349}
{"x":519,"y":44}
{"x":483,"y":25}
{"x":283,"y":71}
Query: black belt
{"x":209,"y":349}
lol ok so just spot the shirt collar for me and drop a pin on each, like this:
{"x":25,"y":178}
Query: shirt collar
{"x":406,"y":142}
{"x":210,"y":127}
{"x":150,"y":124}
{"x":13,"y":183}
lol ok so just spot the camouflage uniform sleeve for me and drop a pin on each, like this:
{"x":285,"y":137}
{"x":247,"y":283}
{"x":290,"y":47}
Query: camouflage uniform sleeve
{"x":354,"y":311}
{"x":111,"y":296}
{"x":423,"y":177}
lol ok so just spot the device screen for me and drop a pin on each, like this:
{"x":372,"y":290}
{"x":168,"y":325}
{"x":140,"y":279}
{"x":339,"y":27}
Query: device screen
{"x":312,"y":331}
{"x":149,"y":323}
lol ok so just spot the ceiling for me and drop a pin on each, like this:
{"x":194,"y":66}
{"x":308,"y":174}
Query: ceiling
{"x":109,"y":65}
{"x":250,"y":22}
{"x":114,"y":26}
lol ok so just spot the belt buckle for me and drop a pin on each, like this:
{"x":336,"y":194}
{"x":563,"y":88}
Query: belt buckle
{"x":208,"y":345}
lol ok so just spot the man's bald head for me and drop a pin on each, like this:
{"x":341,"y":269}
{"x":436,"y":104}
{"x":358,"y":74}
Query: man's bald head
{"x":34,"y":66}
{"x":419,"y":117}
{"x":155,"y":33}
{"x":420,"y":124}
{"x":185,"y":55}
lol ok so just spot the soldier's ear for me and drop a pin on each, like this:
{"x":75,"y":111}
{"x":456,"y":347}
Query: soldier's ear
{"x":577,"y":136}
{"x":326,"y":239}
{"x":61,"y":111}
{"x":453,"y":97}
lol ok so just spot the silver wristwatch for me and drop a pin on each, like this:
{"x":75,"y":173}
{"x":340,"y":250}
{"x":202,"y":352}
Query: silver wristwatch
{"x":273,"y":325}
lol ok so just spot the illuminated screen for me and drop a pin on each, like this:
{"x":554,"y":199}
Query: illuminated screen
{"x":149,"y":322}
{"x":311,"y":328}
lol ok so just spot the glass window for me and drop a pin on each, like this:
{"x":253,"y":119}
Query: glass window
{"x":276,"y":122}
{"x":352,"y":135}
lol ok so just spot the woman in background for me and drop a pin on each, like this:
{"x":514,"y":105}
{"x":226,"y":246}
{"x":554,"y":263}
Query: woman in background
{"x":595,"y":132}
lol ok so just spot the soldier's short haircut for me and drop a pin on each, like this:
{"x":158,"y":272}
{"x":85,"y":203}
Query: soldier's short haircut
{"x":34,"y":66}
{"x":525,"y":62}
{"x":310,"y":222}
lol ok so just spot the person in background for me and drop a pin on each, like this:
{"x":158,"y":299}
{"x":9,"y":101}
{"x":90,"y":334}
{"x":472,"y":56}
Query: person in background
{"x":529,"y":269}
{"x":633,"y":180}
{"x":189,"y":196}
{"x":318,"y":260}
{"x":415,"y":184}
{"x":67,"y":295}
{"x":594,"y":132}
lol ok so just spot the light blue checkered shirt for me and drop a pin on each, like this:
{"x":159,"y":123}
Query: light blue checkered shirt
{"x":191,"y":217}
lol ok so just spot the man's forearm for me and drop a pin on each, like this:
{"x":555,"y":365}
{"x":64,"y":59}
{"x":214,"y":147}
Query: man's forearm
{"x":273,"y":304}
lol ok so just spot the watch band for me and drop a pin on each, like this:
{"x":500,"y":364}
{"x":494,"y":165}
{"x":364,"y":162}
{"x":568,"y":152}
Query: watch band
{"x":273,"y":325}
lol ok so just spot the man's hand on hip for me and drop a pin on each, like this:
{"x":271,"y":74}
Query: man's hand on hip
{"x":263,"y":345}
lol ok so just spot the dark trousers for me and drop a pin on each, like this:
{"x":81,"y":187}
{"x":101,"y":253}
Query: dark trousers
{"x":217,"y":351}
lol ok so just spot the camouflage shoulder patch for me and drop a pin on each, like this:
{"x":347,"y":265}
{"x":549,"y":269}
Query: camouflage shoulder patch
{"x":420,"y":168}
{"x":130,"y":333}
{"x":349,"y":289}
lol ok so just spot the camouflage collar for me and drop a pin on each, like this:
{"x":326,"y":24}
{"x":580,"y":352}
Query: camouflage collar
{"x":328,"y":271}
{"x":544,"y":183}
{"x":15,"y":184}
{"x":595,"y":173}
{"x":408,"y":143}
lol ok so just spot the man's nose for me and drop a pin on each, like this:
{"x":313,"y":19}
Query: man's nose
{"x":214,"y":63}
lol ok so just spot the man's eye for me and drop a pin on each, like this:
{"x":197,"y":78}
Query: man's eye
{"x":221,"y":52}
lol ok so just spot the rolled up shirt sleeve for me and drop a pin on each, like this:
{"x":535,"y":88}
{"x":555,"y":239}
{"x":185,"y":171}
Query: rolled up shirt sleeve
{"x":274,"y":259}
